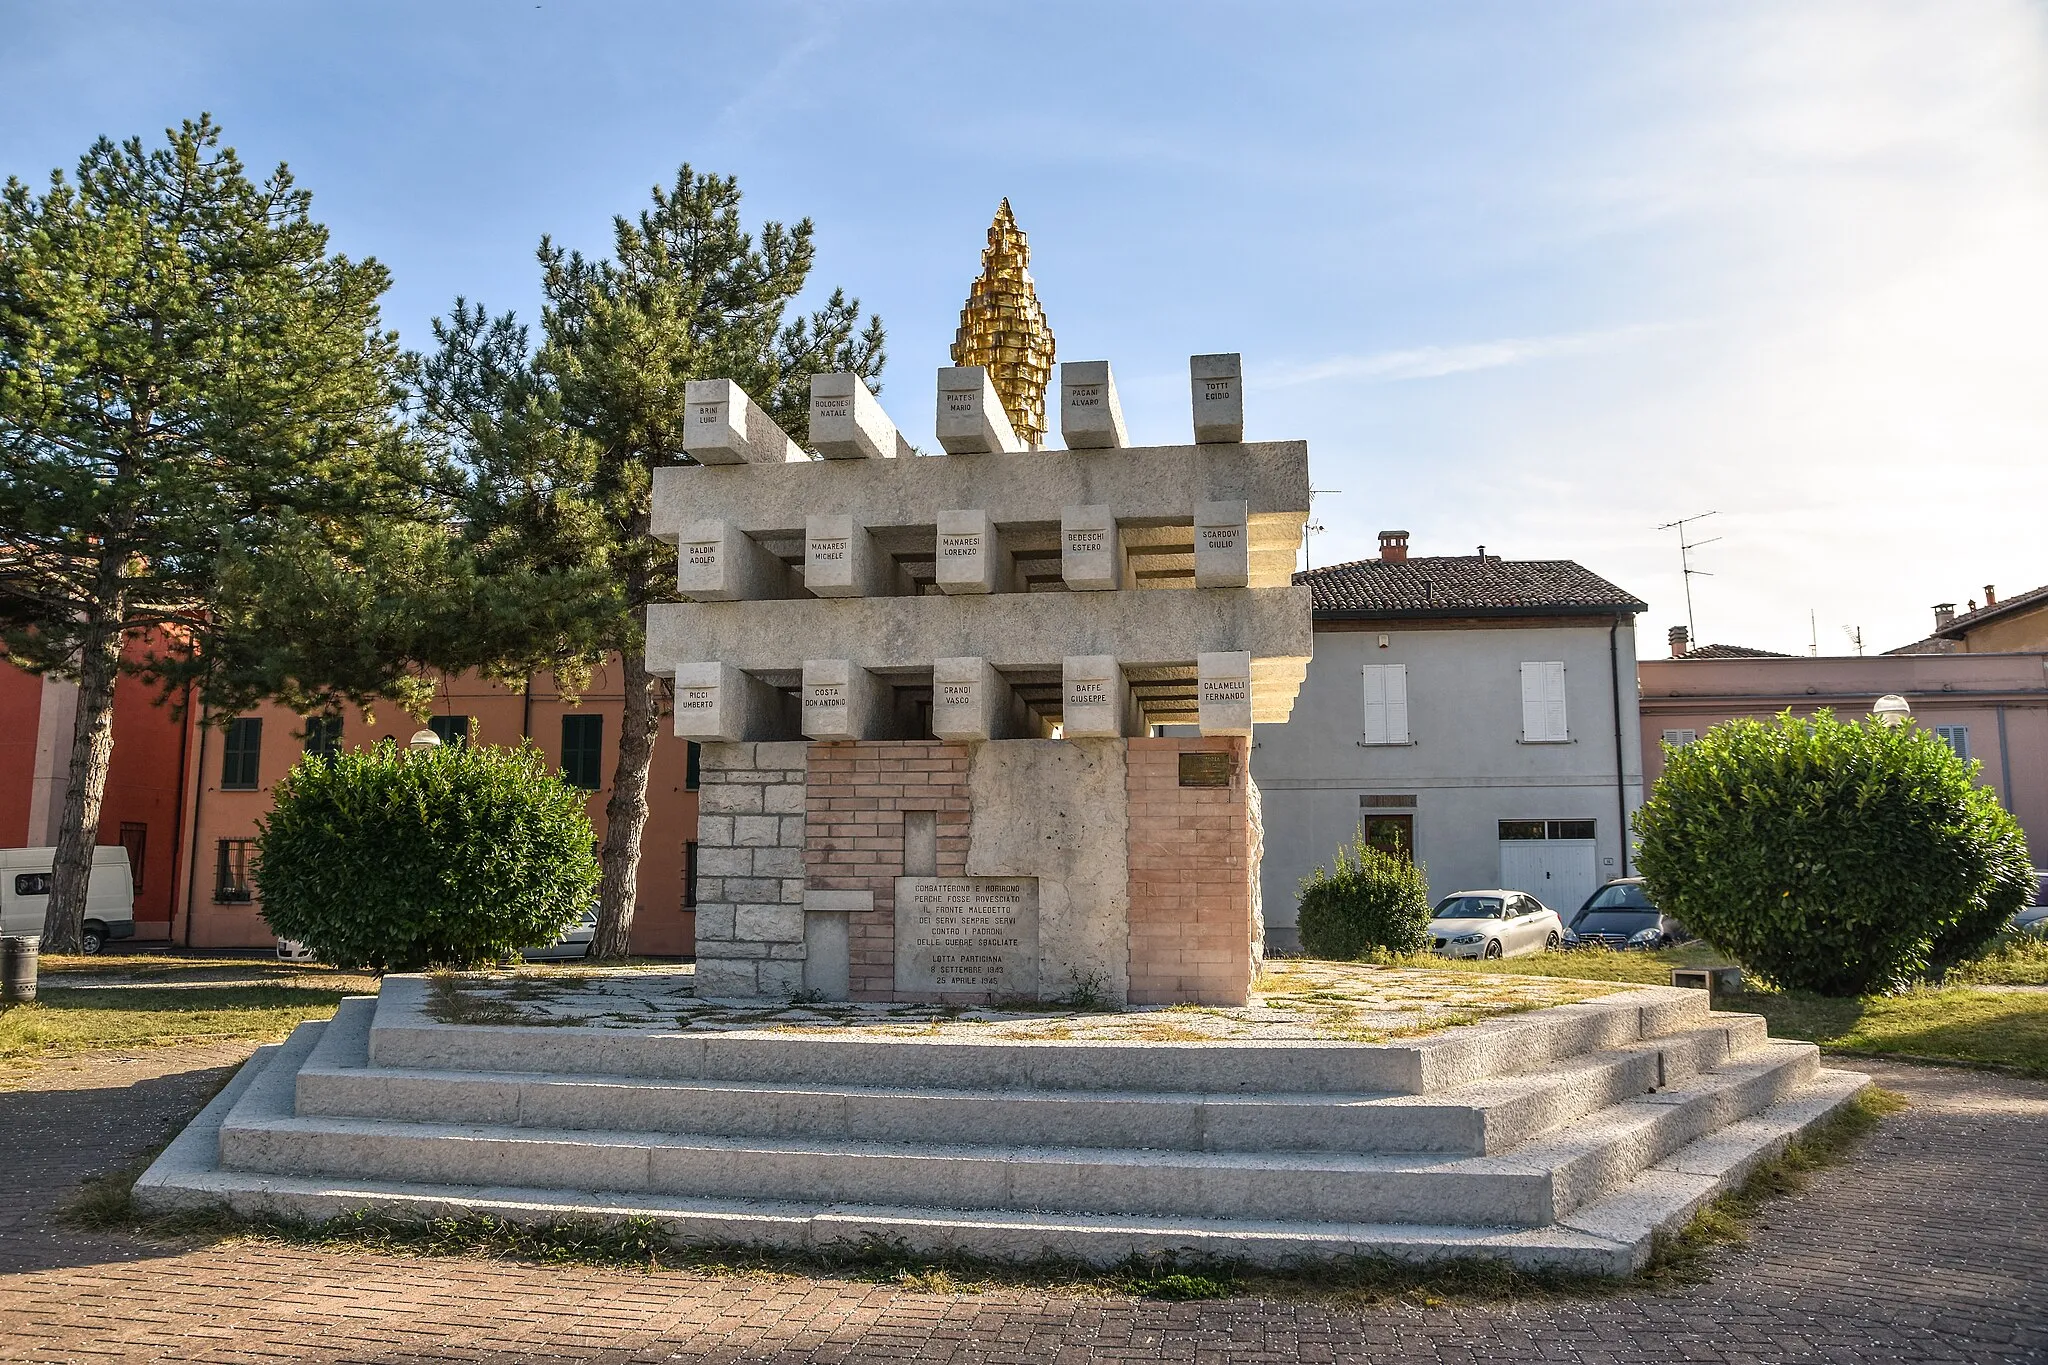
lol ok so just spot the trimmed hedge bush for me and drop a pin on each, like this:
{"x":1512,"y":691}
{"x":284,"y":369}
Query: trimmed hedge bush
{"x":1835,"y":857}
{"x":398,"y":861}
{"x":1373,"y":899}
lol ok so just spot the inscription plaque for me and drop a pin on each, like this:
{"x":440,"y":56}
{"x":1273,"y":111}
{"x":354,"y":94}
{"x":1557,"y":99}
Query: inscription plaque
{"x":967,"y":936}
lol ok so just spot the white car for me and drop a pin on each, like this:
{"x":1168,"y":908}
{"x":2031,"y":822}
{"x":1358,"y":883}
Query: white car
{"x":1494,"y":923}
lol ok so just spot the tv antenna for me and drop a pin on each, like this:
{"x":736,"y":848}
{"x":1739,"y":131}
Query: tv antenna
{"x":1313,"y":527}
{"x":1855,"y":634}
{"x":1685,"y":549}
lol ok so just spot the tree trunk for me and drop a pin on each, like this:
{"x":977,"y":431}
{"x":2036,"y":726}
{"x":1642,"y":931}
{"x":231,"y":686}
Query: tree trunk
{"x":626,"y":811}
{"x":92,"y":749}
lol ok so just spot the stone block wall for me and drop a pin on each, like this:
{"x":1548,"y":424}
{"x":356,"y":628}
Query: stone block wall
{"x":858,"y":795}
{"x":750,"y":870}
{"x":1191,"y":865}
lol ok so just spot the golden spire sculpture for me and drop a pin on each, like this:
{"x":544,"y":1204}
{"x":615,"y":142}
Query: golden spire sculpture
{"x":1003,"y":328}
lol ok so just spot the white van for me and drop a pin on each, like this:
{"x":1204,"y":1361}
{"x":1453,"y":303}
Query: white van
{"x":109,"y":893}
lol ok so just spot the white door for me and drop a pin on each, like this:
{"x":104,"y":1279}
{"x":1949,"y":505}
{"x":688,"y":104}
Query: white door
{"x":1559,"y":872}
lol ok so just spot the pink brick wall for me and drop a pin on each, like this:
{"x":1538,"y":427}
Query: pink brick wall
{"x":853,"y":839}
{"x":1190,"y":869}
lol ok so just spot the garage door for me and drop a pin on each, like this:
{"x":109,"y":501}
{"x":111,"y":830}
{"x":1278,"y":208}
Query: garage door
{"x":1559,"y":872}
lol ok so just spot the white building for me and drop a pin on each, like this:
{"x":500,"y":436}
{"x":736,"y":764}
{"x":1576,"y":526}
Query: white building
{"x":1479,"y":712}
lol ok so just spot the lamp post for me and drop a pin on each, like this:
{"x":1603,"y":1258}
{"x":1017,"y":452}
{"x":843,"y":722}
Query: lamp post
{"x":423,"y":741}
{"x":1891,"y":709}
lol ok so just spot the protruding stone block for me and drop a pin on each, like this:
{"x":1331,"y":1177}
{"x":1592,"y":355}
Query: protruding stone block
{"x":971,"y":417}
{"x":1092,"y":557}
{"x":847,"y":423}
{"x":1091,"y":418}
{"x":1224,"y":697}
{"x":1217,"y":382}
{"x":1095,"y":701}
{"x":844,"y":701}
{"x":715,"y":701}
{"x":970,"y":553}
{"x":722,"y":425}
{"x":1223,"y":545}
{"x":842,"y":560}
{"x":718,"y":562}
{"x":971,"y":701}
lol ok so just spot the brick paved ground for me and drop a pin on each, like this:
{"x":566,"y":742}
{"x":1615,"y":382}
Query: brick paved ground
{"x":1932,"y":1245}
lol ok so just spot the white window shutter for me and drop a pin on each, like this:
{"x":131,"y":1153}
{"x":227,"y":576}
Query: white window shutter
{"x":1375,"y":704}
{"x":1397,"y":703}
{"x":1543,"y":717}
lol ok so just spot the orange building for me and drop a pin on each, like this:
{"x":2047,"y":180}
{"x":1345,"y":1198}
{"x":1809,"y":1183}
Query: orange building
{"x":184,"y":797}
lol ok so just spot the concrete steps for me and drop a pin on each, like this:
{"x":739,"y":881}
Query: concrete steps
{"x":1629,"y":1117}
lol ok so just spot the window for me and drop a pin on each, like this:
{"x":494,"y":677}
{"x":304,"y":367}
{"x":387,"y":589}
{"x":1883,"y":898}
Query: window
{"x":135,"y":838}
{"x":323,"y":737}
{"x":1371,"y":802}
{"x":1957,"y":737}
{"x":243,"y":755}
{"x":690,"y":764}
{"x":1515,"y":830}
{"x":1678,"y":739}
{"x":1386,"y":703}
{"x":31,"y":883}
{"x":451,"y":729}
{"x":583,"y":751}
{"x":1543,"y":720}
{"x":1393,"y":834}
{"x":690,"y":872}
{"x":231,"y":872}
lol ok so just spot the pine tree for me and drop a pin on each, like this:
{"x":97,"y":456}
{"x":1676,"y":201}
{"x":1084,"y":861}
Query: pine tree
{"x":1003,"y":328}
{"x":187,"y":376}
{"x":554,"y":447}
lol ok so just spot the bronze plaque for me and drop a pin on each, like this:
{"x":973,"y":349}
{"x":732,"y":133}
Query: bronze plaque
{"x":1205,"y":770}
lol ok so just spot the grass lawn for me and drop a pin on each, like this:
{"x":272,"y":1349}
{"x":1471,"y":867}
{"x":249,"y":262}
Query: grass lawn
{"x":1960,"y":1021}
{"x":88,"y":1003}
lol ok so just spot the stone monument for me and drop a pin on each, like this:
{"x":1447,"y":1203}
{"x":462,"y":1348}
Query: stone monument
{"x":976,"y":725}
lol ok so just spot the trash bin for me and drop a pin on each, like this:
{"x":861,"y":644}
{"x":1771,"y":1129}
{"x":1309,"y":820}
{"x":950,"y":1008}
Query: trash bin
{"x":18,"y":955}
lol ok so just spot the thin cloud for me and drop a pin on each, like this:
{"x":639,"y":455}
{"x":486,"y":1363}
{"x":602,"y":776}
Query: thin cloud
{"x":1434,"y":362}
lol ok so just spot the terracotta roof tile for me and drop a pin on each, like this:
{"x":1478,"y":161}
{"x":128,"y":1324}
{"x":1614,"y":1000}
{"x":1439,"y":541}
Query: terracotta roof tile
{"x":1731,"y":652}
{"x":1448,"y":584}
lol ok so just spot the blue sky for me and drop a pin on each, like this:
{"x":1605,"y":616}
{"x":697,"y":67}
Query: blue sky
{"x":1535,"y":276}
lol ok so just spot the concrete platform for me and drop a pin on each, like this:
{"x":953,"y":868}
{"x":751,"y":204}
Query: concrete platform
{"x":1565,"y":1136}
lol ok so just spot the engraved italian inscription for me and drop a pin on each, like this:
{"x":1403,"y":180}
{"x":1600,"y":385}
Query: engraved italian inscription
{"x":967,"y":936}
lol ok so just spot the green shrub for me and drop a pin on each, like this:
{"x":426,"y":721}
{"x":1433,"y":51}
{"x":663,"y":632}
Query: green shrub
{"x":1373,"y":899}
{"x":397,"y":861}
{"x":1840,"y":858}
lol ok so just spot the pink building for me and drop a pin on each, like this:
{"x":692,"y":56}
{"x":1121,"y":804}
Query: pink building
{"x":1989,"y":707}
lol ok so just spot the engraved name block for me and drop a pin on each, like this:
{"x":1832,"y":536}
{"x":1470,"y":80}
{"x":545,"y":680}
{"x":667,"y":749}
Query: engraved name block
{"x":1223,"y":545}
{"x":1093,"y":697}
{"x":718,"y":562}
{"x":846,"y":421}
{"x":1217,"y":387}
{"x":1224,"y":695}
{"x":838,"y":700}
{"x":971,"y":417}
{"x":969,"y":559}
{"x":968,"y":699}
{"x":837,"y":556}
{"x":1091,"y":549}
{"x":721,"y":425}
{"x":704,"y":709}
{"x":1091,"y":418}
{"x":967,"y":936}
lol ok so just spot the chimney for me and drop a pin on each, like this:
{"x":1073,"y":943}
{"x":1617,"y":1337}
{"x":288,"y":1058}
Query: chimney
{"x":1944,"y":612}
{"x":1990,"y":595}
{"x":1482,"y":554}
{"x":1680,"y":638}
{"x":1394,"y":547}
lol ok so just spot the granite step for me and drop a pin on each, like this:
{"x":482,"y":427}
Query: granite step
{"x":1612,"y":1234}
{"x":1477,"y":1119}
{"x":1531,"y":1185}
{"x":405,"y":1035}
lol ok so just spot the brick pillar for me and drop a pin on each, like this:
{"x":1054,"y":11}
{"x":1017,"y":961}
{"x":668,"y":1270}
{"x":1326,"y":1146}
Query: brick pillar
{"x":1190,"y":866}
